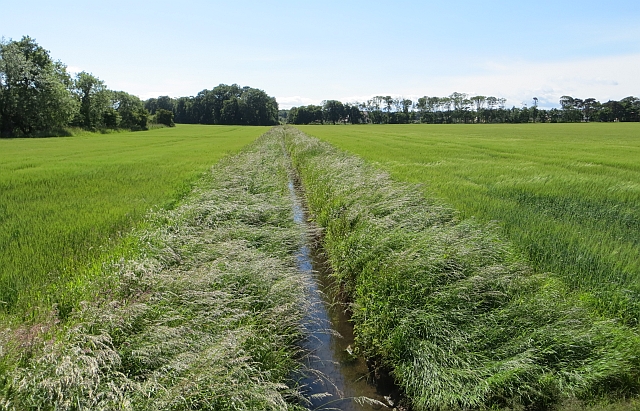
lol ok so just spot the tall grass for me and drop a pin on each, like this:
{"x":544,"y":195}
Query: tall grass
{"x":447,"y":305}
{"x":65,"y":202}
{"x":566,"y":195}
{"x":207,"y":317}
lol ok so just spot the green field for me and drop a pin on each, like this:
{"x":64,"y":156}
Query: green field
{"x":65,"y":203}
{"x":206,"y":316}
{"x":566,"y":195}
{"x":199,"y":302}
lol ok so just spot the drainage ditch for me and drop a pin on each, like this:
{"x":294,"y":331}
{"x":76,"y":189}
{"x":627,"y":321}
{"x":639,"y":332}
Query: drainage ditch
{"x":337,"y":379}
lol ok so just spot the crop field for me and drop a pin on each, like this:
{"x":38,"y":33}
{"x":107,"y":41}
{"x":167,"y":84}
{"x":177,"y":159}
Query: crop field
{"x":65,"y":203}
{"x":175,"y":269}
{"x":566,"y":195}
{"x":206,"y":316}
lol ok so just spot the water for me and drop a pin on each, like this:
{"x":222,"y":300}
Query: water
{"x":342,"y":379}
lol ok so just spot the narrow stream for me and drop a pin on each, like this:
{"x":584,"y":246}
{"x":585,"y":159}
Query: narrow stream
{"x":341,"y":380}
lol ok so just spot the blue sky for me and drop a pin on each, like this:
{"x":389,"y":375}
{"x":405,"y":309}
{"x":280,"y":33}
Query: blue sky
{"x":305,"y":52}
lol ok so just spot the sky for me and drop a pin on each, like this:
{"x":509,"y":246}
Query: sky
{"x":303,"y":52}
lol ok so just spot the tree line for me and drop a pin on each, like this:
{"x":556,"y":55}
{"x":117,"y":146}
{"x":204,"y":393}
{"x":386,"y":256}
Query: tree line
{"x":38,"y":95}
{"x":223,"y":104}
{"x":461,"y":108}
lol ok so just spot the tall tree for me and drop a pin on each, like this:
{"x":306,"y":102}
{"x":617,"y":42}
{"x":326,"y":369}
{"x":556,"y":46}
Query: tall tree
{"x":34,"y":90}
{"x":333,"y":111}
{"x":95,"y":101}
{"x":131,"y":111}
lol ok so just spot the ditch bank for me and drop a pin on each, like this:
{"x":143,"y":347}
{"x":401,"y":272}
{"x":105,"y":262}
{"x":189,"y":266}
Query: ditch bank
{"x":446,"y":304}
{"x":208,"y":316}
{"x":334,"y":377}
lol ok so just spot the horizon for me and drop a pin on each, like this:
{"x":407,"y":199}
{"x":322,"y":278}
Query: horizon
{"x":305,"y":53}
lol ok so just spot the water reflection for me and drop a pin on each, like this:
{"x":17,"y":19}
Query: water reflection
{"x":341,"y":380}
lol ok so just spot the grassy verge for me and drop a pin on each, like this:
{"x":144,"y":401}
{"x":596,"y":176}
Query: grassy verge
{"x":207,"y":317}
{"x":566,"y":195}
{"x":65,"y":202}
{"x":447,"y":305}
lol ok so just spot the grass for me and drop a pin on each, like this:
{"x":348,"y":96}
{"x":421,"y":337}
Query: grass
{"x":66,"y":202}
{"x":448,"y":306}
{"x":566,"y":195}
{"x":206,"y":317}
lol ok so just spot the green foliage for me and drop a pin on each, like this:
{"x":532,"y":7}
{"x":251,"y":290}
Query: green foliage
{"x":165,"y":117}
{"x":333,"y":111}
{"x":38,"y":97}
{"x":566,"y":195}
{"x":65,"y":203}
{"x":133,"y":115}
{"x":95,"y":101}
{"x":231,"y":105}
{"x":206,"y":317}
{"x":34,"y":90}
{"x":305,"y":115}
{"x":447,"y":305}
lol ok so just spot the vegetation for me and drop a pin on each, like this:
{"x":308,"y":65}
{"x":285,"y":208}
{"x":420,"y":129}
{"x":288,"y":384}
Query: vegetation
{"x":124,"y":287}
{"x":205,"y":317}
{"x":222,"y":105}
{"x":38,"y":96}
{"x":445,"y":303}
{"x":566,"y":195}
{"x":165,"y":117}
{"x":66,"y":202}
{"x":462,"y":108}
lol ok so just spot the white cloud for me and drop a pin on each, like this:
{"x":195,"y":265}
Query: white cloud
{"x":601,"y":78}
{"x":518,"y":81}
{"x":295,"y":101}
{"x":73,"y":70}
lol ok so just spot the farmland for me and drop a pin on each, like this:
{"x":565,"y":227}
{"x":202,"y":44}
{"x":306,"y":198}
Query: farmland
{"x":566,"y":195}
{"x":184,"y":291}
{"x":206,"y":316}
{"x":65,"y":203}
{"x":461,"y":319}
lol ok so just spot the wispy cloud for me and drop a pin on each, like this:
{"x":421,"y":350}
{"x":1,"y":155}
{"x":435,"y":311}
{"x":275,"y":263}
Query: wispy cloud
{"x":295,"y":101}
{"x":603,"y":78}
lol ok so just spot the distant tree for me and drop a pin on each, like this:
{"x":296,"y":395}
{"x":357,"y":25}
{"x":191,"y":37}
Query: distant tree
{"x":406,"y":110}
{"x":333,"y":111}
{"x":305,"y":115}
{"x":184,"y":111}
{"x":95,"y":100}
{"x":571,"y":109}
{"x":131,"y":110}
{"x":151,"y":105}
{"x":112,"y":118}
{"x":555,"y":115}
{"x":165,"y":103}
{"x":612,"y":111}
{"x":589,"y":107}
{"x":259,"y":108}
{"x":34,"y":90}
{"x":223,"y":104}
{"x":232,"y":112}
{"x":631,"y":106}
{"x":353,"y":113}
{"x":283,"y":115}
{"x":165,"y":117}
{"x":388,"y":101}
{"x":374,"y":109}
{"x":479,"y":102}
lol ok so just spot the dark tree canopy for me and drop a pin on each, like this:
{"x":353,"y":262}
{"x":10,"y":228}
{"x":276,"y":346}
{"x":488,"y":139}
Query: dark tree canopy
{"x":224,"y":104}
{"x":35,"y":91}
{"x":165,"y":117}
{"x":37,"y":96}
{"x":462,"y":108}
